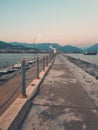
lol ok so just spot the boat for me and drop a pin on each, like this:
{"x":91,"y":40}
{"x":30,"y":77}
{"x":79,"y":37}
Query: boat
{"x":30,"y":62}
{"x":7,"y":71}
{"x":17,"y":66}
{"x":3,"y":72}
{"x":90,"y":53}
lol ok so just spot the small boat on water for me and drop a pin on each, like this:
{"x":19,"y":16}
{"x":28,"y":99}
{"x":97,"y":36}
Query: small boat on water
{"x":14,"y":68}
{"x":17,"y":66}
{"x":30,"y":62}
{"x":90,"y":53}
{"x":3,"y":72}
{"x":7,"y":71}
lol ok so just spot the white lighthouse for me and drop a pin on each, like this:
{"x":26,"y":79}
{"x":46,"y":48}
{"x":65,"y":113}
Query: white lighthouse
{"x":54,"y":49}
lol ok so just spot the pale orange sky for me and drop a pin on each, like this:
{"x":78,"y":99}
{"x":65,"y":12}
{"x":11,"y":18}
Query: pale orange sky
{"x":73,"y":22}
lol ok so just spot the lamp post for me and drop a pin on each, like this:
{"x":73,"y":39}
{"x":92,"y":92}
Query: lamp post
{"x":34,"y":39}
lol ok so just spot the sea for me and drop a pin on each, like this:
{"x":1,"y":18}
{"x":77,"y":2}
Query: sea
{"x":89,"y":58}
{"x":9,"y":59}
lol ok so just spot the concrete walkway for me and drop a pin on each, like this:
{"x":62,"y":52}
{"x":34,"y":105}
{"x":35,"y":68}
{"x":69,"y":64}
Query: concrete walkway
{"x":61,"y":104}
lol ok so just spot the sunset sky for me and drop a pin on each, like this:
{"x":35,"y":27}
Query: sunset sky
{"x":73,"y":22}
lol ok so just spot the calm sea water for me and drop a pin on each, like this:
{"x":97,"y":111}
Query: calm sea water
{"x":89,"y":58}
{"x":13,"y":58}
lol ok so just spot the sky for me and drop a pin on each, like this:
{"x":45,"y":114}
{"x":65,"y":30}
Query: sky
{"x":67,"y":22}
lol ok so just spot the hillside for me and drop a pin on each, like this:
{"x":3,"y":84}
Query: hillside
{"x":93,"y":48}
{"x":73,"y":49}
{"x":46,"y":47}
{"x":22,"y":44}
{"x":4,"y":45}
{"x":40,"y":46}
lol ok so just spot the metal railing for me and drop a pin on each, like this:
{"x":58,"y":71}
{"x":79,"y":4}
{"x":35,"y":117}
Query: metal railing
{"x":20,"y":80}
{"x":40,"y":64}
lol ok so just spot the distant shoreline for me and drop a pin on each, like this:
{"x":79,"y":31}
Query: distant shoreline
{"x":23,"y":52}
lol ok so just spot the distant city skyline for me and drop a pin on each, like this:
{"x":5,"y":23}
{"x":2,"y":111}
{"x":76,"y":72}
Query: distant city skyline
{"x":73,"y":22}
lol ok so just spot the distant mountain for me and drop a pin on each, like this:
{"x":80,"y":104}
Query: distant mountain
{"x":93,"y":48}
{"x":68,"y":48}
{"x":40,"y":46}
{"x":4,"y":45}
{"x":46,"y":47}
{"x":27,"y":45}
{"x":73,"y":49}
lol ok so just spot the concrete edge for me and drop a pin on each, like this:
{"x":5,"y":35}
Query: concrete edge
{"x":14,"y":115}
{"x":42,"y":76}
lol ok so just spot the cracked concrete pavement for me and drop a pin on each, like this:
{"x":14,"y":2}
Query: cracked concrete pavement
{"x":62,"y":103}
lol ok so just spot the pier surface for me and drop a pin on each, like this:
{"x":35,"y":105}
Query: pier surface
{"x":62,"y":103}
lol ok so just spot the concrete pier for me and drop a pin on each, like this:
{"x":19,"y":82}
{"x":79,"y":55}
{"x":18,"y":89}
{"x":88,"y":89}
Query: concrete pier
{"x":62,"y":103}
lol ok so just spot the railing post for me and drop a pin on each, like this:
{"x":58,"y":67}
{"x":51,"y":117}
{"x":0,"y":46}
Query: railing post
{"x":23,"y":92}
{"x":52,"y":56}
{"x":49,"y":58}
{"x":37,"y":69}
{"x":43,"y":63}
{"x":46,"y":60}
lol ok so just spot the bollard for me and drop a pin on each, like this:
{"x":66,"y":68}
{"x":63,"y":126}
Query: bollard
{"x":43,"y":63}
{"x":23,"y":93}
{"x":37,"y":68}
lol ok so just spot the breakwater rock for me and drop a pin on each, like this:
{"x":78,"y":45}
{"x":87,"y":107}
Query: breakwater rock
{"x":90,"y":68}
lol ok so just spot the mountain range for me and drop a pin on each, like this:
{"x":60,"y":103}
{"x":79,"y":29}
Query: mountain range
{"x":46,"y":47}
{"x":5,"y":45}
